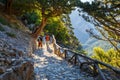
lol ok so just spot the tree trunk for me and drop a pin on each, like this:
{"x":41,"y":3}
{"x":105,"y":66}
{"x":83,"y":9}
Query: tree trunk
{"x":8,"y":6}
{"x":40,"y":28}
{"x":37,"y":32}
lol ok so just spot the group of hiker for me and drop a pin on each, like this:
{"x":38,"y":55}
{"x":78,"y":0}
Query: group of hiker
{"x":41,"y":41}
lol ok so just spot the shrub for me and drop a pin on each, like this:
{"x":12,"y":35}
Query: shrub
{"x":3,"y":21}
{"x":111,"y":56}
{"x":11,"y":34}
{"x":2,"y":29}
{"x":15,"y":26}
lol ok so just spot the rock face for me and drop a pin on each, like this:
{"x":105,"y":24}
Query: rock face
{"x":20,"y":72}
{"x":14,"y":55}
{"x":15,"y":68}
{"x":21,"y":40}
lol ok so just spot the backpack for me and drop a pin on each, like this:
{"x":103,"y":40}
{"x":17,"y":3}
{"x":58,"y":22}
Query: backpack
{"x":39,"y":38}
{"x":47,"y":38}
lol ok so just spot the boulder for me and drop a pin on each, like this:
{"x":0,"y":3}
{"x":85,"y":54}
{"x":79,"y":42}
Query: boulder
{"x":22,"y":71}
{"x":2,"y":70}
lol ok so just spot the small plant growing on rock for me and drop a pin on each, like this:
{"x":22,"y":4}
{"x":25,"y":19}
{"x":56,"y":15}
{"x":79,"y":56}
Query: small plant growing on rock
{"x":2,"y":29}
{"x":11,"y":34}
{"x":3,"y":21}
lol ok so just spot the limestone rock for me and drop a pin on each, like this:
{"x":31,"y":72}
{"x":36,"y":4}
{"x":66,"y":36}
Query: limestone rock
{"x":22,"y":71}
{"x":13,"y":54}
{"x":2,"y":70}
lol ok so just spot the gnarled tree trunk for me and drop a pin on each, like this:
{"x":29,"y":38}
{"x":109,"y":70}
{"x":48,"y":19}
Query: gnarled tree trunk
{"x":8,"y":6}
{"x":37,"y":32}
{"x":40,"y":28}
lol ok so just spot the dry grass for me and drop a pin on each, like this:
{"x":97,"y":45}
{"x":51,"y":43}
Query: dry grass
{"x":11,"y":21}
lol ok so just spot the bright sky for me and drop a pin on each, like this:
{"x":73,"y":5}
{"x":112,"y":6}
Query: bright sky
{"x":86,"y":0}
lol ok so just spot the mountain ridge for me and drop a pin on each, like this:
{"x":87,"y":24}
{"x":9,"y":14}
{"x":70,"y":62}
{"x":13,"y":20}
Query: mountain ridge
{"x":80,"y":26}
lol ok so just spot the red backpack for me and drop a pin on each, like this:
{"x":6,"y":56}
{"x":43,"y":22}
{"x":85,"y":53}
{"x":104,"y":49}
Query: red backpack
{"x":47,"y":37}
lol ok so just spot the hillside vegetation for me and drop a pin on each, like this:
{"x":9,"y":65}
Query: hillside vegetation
{"x":15,"y":49}
{"x":111,"y":56}
{"x":14,"y":33}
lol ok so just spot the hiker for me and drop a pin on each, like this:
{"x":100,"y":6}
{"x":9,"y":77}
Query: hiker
{"x":47,"y":38}
{"x":39,"y":42}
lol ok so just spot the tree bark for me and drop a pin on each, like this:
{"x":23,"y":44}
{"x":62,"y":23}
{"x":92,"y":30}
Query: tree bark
{"x":40,"y":28}
{"x":8,"y":6}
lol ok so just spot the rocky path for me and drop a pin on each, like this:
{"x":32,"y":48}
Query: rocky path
{"x":48,"y":66}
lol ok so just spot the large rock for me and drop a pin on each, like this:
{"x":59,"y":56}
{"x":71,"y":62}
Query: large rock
{"x":23,"y":70}
{"x":2,"y":70}
{"x":14,"y":66}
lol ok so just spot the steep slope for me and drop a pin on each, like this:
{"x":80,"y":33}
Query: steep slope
{"x":80,"y":26}
{"x":15,"y":50}
{"x":16,"y":39}
{"x":91,"y":43}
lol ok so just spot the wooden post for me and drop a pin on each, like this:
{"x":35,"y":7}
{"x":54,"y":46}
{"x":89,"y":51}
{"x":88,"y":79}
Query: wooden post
{"x":75,"y":61}
{"x":55,"y":49}
{"x":94,"y":69}
{"x":53,"y":41}
{"x":58,"y":51}
{"x":100,"y":72}
{"x":65,"y":53}
{"x":89,"y":61}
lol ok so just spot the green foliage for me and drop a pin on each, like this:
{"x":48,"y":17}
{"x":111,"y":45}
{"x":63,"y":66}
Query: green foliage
{"x":32,"y":18}
{"x":2,"y":29}
{"x":111,"y":56}
{"x":11,"y":34}
{"x":3,"y":1}
{"x":57,"y":28}
{"x":3,"y":21}
{"x":46,"y":8}
{"x":22,"y":6}
{"x":91,"y":43}
{"x":62,"y":33}
{"x":55,"y":8}
{"x":81,"y":51}
{"x":15,"y":26}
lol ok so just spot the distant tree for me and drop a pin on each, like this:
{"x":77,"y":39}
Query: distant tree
{"x":105,"y":15}
{"x":111,"y":56}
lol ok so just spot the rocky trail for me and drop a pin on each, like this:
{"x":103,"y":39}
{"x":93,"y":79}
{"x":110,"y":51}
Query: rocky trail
{"x":19,"y":62}
{"x":19,"y":66}
{"x":48,"y":66}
